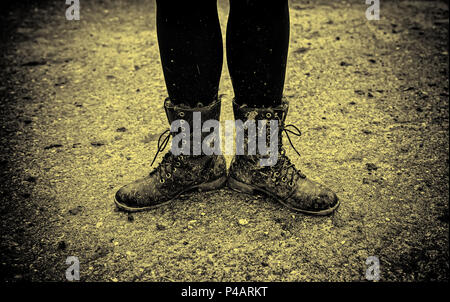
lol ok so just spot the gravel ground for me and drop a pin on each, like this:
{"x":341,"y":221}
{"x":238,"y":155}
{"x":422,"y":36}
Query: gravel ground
{"x":81,"y":111}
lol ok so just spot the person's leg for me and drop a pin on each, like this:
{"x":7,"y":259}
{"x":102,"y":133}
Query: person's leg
{"x":191,"y":54}
{"x":190,"y":43}
{"x":257,"y":46}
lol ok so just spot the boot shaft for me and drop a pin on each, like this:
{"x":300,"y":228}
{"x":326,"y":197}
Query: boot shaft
{"x":187,"y":125}
{"x":244,"y":114}
{"x":182,"y":112}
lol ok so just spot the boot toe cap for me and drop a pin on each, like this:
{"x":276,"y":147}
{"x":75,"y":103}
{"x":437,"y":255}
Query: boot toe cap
{"x":313,"y":197}
{"x":124,"y":196}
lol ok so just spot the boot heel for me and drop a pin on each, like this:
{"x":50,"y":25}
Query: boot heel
{"x":240,"y":186}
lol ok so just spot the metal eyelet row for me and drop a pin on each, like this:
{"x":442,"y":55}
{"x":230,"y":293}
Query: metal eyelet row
{"x":276,"y":175}
{"x":269,"y":115}
{"x":168,"y":175}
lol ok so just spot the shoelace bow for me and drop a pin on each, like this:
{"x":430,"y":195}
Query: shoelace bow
{"x":163,"y":140}
{"x":286,"y":163}
{"x":297,"y":132}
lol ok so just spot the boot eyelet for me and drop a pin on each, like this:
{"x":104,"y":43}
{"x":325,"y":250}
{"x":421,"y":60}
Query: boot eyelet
{"x":162,"y":180}
{"x":283,"y":179}
{"x":183,"y":142}
{"x":291,"y":184}
{"x":268,"y":115}
{"x":182,"y":122}
{"x":168,"y":175}
{"x":178,"y":164}
{"x":276,"y":174}
{"x":183,"y":129}
{"x":181,"y":114}
{"x":174,"y":170}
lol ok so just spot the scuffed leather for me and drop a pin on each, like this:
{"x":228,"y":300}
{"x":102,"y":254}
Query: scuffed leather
{"x":176,"y":174}
{"x":296,"y":190}
{"x":194,"y":170}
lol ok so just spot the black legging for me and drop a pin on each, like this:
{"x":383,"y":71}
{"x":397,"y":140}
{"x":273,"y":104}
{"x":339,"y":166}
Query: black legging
{"x":190,"y":44}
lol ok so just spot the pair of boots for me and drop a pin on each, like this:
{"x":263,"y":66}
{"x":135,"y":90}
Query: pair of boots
{"x":177,"y":174}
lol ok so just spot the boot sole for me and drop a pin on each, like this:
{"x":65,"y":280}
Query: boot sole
{"x":207,"y":186}
{"x":242,"y":187}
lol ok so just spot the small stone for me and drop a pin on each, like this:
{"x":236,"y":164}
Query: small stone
{"x":76,"y":210}
{"x":52,"y":146}
{"x":31,"y":179}
{"x":371,"y":167}
{"x":243,"y":221}
{"x":62,"y":245}
{"x":97,"y":144}
{"x":130,"y":217}
{"x":160,"y":227}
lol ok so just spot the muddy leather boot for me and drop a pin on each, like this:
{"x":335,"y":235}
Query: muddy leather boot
{"x":282,"y":181}
{"x":176,"y":174}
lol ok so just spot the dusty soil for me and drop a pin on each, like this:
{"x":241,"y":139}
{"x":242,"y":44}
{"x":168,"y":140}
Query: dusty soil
{"x":81,"y":111}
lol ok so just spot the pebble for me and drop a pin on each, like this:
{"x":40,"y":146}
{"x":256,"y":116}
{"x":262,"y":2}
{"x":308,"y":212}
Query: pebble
{"x":243,"y":221}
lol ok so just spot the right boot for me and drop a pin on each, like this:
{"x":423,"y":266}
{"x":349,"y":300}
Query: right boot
{"x":176,"y":174}
{"x":281,"y":180}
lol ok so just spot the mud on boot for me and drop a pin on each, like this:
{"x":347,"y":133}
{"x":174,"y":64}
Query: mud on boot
{"x":282,"y":180}
{"x":176,"y":174}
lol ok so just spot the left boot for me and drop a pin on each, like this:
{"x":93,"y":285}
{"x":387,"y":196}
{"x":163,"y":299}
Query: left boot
{"x":283,"y":181}
{"x":176,"y":174}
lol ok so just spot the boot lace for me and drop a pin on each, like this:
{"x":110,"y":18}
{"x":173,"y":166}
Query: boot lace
{"x":169,"y":163}
{"x":287,"y":168}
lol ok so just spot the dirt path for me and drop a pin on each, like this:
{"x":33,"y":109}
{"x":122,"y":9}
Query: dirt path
{"x":81,"y":111}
